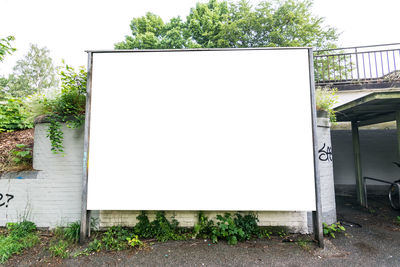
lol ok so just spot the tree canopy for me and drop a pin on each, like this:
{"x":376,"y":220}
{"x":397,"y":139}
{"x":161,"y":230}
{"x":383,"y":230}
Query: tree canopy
{"x":35,"y":73}
{"x":5,"y":46}
{"x":220,"y":24}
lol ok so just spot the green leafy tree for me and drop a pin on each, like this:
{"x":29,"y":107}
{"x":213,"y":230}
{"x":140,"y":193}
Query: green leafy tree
{"x":3,"y":85}
{"x":5,"y":46}
{"x":35,"y":73}
{"x":150,"y":32}
{"x":227,"y":24}
{"x":14,"y":116}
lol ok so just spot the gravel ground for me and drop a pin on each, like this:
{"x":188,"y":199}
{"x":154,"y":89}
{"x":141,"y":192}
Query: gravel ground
{"x":372,"y":239}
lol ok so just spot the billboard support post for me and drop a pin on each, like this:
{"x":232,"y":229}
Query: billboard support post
{"x":85,"y":214}
{"x":317,"y":214}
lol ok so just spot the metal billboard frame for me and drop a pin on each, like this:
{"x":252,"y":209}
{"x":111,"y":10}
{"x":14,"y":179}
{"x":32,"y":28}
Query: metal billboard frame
{"x":85,"y":214}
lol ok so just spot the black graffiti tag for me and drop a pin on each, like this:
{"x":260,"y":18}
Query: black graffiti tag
{"x":9,"y":197}
{"x":325,"y":155}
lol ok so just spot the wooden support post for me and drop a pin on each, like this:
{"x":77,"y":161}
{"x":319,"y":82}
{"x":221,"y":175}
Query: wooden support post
{"x":357,"y":164}
{"x":85,"y":214}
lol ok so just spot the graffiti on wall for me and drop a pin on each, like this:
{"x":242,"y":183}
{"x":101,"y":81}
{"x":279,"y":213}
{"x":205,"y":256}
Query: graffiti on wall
{"x":325,"y":153}
{"x":5,"y":199}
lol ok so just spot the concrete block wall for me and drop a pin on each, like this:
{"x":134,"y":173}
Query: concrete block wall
{"x":378,"y":149}
{"x":51,"y":195}
{"x":295,"y":221}
{"x":325,"y":161}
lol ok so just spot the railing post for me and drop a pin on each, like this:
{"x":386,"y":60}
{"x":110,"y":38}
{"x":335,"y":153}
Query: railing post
{"x":358,"y":71}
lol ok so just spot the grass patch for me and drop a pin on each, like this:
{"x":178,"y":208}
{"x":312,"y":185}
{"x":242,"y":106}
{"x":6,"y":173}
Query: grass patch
{"x":64,"y":239}
{"x":18,"y":237}
{"x":60,"y":249}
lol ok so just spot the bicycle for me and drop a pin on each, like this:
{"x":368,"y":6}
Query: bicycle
{"x":393,"y":193}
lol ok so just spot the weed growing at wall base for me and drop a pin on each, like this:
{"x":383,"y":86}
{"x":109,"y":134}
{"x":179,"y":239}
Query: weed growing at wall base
{"x":330,"y":230}
{"x":19,"y":236}
{"x":233,"y":229}
{"x":21,"y":154}
{"x":60,"y":249}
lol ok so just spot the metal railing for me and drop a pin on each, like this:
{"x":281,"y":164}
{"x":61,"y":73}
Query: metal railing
{"x":362,"y":64}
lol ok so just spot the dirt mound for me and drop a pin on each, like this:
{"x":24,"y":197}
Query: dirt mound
{"x":8,"y":141}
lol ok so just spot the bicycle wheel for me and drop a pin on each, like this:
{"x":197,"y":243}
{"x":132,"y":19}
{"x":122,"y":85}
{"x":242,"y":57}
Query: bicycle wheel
{"x":394,"y":196}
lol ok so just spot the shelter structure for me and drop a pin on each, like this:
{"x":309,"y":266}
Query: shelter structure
{"x":371,"y":109}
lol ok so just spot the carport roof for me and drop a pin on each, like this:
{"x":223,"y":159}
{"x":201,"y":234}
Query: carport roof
{"x":373,"y":108}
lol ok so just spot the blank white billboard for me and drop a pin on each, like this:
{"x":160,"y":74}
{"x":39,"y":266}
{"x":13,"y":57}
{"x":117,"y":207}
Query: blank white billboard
{"x":201,"y":130}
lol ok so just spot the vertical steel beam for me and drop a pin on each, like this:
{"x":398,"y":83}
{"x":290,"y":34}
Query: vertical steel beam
{"x":357,"y":164}
{"x":85,"y":214}
{"x":317,"y":214}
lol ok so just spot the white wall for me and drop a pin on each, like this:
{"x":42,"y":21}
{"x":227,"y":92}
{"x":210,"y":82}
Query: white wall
{"x":53,"y":198}
{"x":378,"y":150}
{"x":325,"y":165}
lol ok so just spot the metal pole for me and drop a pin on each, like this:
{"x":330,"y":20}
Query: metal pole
{"x":317,"y":214}
{"x":85,"y":214}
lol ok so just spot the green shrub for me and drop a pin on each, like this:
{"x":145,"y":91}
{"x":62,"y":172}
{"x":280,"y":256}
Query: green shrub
{"x":20,"y":236}
{"x":161,"y":229}
{"x":21,"y":154}
{"x":204,"y":227}
{"x":227,"y":229}
{"x":248,"y":223}
{"x":14,"y":115}
{"x":233,"y":229}
{"x":325,"y":98}
{"x":68,"y":106}
{"x":143,"y":228}
{"x":115,"y":238}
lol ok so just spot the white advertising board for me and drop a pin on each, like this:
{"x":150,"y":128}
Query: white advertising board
{"x":201,"y":130}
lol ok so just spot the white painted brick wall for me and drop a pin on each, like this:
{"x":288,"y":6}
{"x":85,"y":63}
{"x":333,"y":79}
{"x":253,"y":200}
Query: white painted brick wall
{"x":54,"y":197}
{"x":326,"y":171}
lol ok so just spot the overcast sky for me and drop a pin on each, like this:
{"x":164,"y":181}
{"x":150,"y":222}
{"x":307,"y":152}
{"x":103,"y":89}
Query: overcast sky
{"x":68,"y":28}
